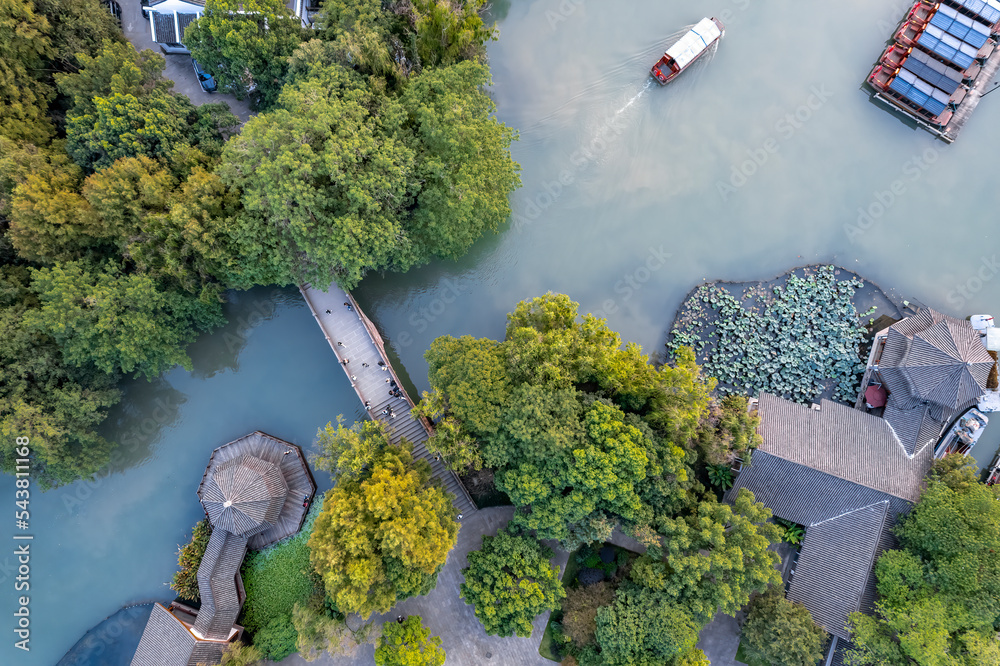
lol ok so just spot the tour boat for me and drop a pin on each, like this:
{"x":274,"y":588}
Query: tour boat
{"x":687,"y":49}
{"x":962,"y":436}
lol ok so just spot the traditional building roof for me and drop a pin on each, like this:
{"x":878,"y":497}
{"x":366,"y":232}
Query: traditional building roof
{"x":220,"y":598}
{"x":844,"y":442}
{"x":166,"y":641}
{"x":805,"y":495}
{"x":834,"y":569}
{"x":244,"y":495}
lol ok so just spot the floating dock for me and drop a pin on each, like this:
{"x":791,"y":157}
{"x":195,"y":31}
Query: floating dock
{"x":941,"y":63}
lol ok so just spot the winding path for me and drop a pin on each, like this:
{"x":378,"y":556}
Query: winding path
{"x":359,"y":348}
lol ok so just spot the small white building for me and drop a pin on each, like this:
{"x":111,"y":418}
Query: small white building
{"x":169,"y":18}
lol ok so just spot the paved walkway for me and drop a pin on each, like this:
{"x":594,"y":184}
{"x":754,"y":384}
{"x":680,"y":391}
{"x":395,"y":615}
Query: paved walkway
{"x":179,"y":68}
{"x":447,"y":616}
{"x":354,"y":339}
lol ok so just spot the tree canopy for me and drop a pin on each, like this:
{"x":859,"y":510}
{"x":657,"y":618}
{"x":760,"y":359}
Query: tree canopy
{"x":939,"y":596}
{"x":408,"y":643}
{"x":245,"y":45}
{"x":644,"y":628}
{"x":778,"y":632}
{"x":509,"y":581}
{"x":581,"y":431}
{"x":386,"y":528}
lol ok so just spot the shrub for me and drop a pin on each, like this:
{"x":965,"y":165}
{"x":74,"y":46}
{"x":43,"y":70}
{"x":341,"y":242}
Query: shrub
{"x":590,"y":576}
{"x":320,"y":633}
{"x":720,"y":476}
{"x":408,"y":643}
{"x":278,"y":639}
{"x":185,"y":582}
{"x":278,"y":577}
{"x":238,"y":654}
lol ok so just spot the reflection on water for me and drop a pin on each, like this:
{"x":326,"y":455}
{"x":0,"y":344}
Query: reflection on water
{"x":135,"y":424}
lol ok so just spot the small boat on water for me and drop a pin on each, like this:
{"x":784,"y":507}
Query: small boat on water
{"x":687,"y":49}
{"x":962,"y":436}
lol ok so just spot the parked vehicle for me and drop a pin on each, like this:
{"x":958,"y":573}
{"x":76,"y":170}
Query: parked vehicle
{"x":206,"y":80}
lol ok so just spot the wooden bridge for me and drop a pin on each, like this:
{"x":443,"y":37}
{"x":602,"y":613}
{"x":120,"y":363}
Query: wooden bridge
{"x":980,"y":87}
{"x":354,"y":339}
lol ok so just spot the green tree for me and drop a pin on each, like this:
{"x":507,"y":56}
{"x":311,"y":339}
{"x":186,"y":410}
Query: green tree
{"x":714,"y":558}
{"x":319,"y":633}
{"x":245,"y":45}
{"x":117,"y":69}
{"x":56,"y":404}
{"x":185,"y":582}
{"x":449,"y":30}
{"x":780,"y":632}
{"x":25,"y":45}
{"x":644,"y":628}
{"x":509,"y":581}
{"x":939,"y":596}
{"x":239,"y":654}
{"x":77,"y":27}
{"x":118,"y":322}
{"x":408,"y":643}
{"x":385,"y":532}
{"x":326,"y":176}
{"x":462,"y":159}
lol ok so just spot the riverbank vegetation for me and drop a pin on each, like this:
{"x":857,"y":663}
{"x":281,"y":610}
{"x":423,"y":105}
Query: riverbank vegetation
{"x":585,"y":435}
{"x":189,"y":556}
{"x":126,"y":211}
{"x":939,"y":594}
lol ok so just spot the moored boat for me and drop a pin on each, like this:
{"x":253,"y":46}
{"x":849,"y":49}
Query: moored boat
{"x":687,"y":49}
{"x":962,"y":436}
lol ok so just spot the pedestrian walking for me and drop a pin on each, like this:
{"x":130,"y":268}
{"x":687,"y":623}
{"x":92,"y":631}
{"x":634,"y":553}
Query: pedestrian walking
{"x":353,"y":378}
{"x":386,"y":380}
{"x":345,"y":361}
{"x":328,"y":312}
{"x":368,"y":405}
{"x":364,"y":365}
{"x":339,"y":343}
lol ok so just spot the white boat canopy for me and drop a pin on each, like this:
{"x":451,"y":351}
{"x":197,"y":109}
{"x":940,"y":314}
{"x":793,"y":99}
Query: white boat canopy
{"x":692,"y":44}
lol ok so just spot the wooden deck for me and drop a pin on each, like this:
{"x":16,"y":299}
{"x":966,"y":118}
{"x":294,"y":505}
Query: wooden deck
{"x":981,"y":86}
{"x":293,"y":468}
{"x":354,"y":338}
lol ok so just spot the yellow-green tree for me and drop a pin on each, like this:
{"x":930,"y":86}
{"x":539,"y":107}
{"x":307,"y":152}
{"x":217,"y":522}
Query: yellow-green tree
{"x":408,"y":643}
{"x":386,"y":528}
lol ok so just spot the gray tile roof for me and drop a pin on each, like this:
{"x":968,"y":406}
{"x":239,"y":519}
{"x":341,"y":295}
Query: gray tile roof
{"x":915,"y":427}
{"x":220,"y":602}
{"x":835,"y":565}
{"x":243,"y":495}
{"x":183,"y":21}
{"x":934,"y":359}
{"x":804,"y":495}
{"x":167,"y":642}
{"x":843,"y":442}
{"x":166,"y":29}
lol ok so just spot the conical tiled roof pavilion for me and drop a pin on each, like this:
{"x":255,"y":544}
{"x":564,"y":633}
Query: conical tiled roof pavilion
{"x":244,"y":495}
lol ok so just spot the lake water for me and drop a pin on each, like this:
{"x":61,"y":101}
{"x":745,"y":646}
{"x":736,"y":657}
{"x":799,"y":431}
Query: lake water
{"x":752,"y":162}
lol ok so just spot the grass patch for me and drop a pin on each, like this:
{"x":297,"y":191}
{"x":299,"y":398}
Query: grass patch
{"x":277,"y":577}
{"x":545,"y":647}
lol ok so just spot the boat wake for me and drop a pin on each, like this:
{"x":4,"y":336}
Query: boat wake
{"x":633,"y":100}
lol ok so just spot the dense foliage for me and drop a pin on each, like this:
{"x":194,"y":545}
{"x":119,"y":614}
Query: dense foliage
{"x":643,"y":627}
{"x":123,"y":220}
{"x":350,"y":180}
{"x":386,"y":528}
{"x":581,"y":432}
{"x":793,"y":341}
{"x":185,"y":582}
{"x":579,"y":609}
{"x":245,"y":45}
{"x":322,"y":632}
{"x":509,"y":581}
{"x":778,"y":632}
{"x":408,"y":643}
{"x":276,"y":579}
{"x":939,"y":595}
